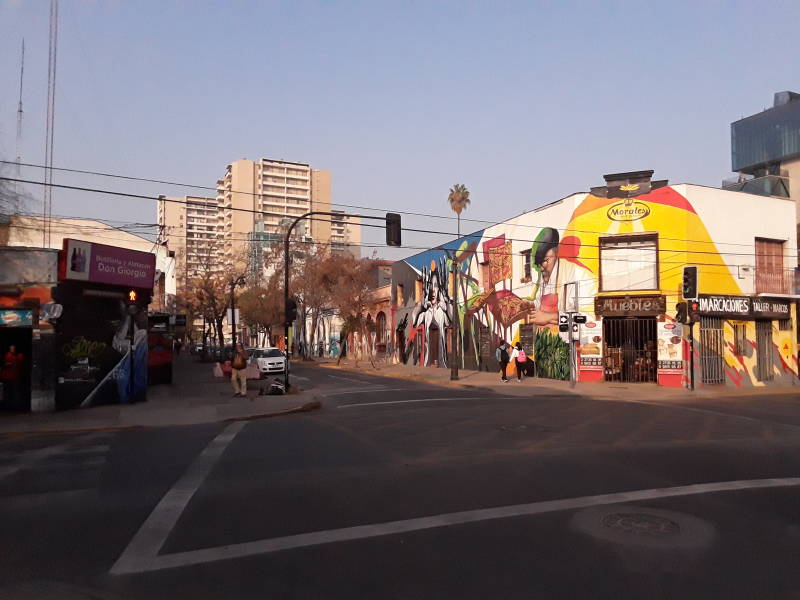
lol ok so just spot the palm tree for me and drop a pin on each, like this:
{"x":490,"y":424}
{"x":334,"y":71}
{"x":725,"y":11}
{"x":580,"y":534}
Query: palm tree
{"x":459,"y":200}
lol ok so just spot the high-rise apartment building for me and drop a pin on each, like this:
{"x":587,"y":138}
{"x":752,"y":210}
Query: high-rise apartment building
{"x":345,"y":234}
{"x":189,"y":225}
{"x":254,"y":200}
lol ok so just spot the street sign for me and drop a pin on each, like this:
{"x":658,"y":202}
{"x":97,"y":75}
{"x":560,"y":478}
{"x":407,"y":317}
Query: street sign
{"x":579,"y":319}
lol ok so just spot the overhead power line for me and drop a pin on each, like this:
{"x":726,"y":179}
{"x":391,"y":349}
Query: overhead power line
{"x":413,"y":230}
{"x":371,"y":208}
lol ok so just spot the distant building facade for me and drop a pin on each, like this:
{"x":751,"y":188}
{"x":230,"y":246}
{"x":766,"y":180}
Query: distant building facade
{"x":765,"y":151}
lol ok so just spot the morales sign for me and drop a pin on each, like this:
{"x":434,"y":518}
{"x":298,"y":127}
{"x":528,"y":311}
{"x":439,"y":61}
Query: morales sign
{"x":628,"y":211}
{"x":98,"y":263}
{"x":630,"y":306}
{"x":740,"y":307}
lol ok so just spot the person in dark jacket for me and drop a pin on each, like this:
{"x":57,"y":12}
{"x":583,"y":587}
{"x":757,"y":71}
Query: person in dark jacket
{"x":502,"y":356}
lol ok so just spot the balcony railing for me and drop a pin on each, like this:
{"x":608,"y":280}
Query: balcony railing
{"x":786,"y":281}
{"x":769,"y":185}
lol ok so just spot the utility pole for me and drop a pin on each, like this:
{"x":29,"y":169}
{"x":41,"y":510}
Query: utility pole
{"x":233,"y":284}
{"x":47,"y":205}
{"x":455,"y":329}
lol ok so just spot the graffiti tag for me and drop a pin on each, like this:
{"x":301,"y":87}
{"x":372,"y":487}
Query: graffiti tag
{"x":80,"y":348}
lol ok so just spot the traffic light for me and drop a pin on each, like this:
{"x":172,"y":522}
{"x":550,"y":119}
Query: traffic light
{"x":563,"y":323}
{"x":132,"y":297}
{"x":291,"y":311}
{"x":689,"y":287}
{"x":393,"y":229}
{"x":682,"y":314}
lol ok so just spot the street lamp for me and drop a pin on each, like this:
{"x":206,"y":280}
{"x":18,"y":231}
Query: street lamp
{"x":234,"y":282}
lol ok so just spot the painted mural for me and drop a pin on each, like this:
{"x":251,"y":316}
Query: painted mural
{"x":514,"y":279}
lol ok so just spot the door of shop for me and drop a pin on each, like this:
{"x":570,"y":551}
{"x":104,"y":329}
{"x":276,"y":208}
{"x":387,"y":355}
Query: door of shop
{"x":434,"y":341}
{"x":629,"y":350}
{"x":15,"y":372}
{"x":764,"y":365}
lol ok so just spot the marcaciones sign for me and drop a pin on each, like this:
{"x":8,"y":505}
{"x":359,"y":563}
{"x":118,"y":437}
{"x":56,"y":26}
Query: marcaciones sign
{"x":742,"y":307}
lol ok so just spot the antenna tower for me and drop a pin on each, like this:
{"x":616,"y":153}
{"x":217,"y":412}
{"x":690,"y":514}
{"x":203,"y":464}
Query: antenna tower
{"x":16,"y":206}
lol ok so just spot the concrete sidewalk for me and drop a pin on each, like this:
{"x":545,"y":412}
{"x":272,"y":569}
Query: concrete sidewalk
{"x":594,"y":390}
{"x":195,"y":396}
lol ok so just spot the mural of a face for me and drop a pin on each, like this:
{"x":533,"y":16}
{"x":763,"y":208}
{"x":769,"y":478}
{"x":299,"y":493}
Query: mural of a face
{"x":549,"y":262}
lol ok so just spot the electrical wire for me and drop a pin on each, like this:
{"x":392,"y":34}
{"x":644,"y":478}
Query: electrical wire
{"x":413,"y":230}
{"x":416,"y":214}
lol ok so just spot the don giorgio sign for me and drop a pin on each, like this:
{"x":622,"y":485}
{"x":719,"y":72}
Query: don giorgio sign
{"x":630,"y":306}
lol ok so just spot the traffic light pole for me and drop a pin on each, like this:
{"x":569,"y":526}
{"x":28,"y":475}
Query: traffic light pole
{"x":286,"y":322}
{"x":691,"y":355}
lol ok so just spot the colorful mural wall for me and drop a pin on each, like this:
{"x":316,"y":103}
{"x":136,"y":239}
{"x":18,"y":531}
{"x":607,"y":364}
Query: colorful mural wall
{"x":514,"y":279}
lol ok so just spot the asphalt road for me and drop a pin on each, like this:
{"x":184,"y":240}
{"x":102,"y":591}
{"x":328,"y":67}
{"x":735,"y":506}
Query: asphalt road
{"x":407,"y":490}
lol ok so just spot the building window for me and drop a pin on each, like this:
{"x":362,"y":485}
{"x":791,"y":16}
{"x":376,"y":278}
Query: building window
{"x":739,"y":338}
{"x":769,"y":267}
{"x":401,"y":296}
{"x":785,"y":325}
{"x":629,"y":262}
{"x":526,"y":266}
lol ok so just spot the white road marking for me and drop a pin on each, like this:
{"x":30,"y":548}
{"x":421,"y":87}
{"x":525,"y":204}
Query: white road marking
{"x":147,"y":542}
{"x":293,"y":376}
{"x":144,"y":562}
{"x":364,"y":391}
{"x":425,"y":400}
{"x":361,"y":381}
{"x":32,"y":457}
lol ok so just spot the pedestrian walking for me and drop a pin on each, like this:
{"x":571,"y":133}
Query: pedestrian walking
{"x":239,"y":371}
{"x":501,"y":354}
{"x":521,"y":360}
{"x":11,"y":376}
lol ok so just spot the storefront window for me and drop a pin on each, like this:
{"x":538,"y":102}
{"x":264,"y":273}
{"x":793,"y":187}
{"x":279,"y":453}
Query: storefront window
{"x":629,"y":263}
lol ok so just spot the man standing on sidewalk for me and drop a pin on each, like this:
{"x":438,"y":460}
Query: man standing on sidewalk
{"x":239,"y":371}
{"x":501,"y":354}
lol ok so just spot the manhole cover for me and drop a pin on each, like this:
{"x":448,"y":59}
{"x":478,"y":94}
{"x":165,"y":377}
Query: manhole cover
{"x":642,"y":524}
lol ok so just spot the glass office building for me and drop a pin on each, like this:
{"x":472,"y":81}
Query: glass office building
{"x":768,"y":137}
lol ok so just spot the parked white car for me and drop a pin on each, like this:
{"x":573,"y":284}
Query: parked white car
{"x":269,"y":360}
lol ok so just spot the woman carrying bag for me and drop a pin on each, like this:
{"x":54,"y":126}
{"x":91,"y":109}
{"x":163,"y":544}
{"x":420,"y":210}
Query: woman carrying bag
{"x":520,"y":360}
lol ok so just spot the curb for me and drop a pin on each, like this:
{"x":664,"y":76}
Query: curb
{"x":438,"y":382}
{"x":307,"y":407}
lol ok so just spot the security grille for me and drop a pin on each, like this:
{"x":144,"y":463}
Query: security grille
{"x":629,"y":352}
{"x":712,"y":348}
{"x":764,"y":365}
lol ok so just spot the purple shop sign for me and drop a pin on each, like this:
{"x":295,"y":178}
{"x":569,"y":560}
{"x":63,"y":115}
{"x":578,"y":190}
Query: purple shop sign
{"x":98,"y":263}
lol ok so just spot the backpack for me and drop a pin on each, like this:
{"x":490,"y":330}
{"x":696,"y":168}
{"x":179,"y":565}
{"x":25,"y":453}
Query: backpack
{"x":521,"y":356}
{"x":503,"y":355}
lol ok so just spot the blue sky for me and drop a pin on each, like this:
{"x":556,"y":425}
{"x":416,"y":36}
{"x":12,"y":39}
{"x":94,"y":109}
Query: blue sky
{"x":524,"y":102}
